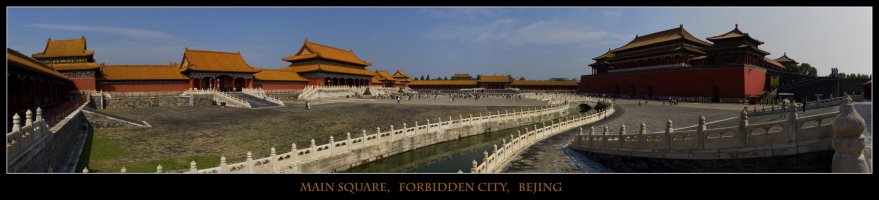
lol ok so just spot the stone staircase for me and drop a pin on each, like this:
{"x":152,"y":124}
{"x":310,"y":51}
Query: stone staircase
{"x":255,"y":102}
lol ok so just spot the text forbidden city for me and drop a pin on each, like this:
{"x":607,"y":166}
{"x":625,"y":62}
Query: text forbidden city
{"x":438,"y":90}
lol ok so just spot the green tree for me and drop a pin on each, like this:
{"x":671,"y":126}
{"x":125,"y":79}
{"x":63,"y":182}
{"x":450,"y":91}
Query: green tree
{"x":422,"y":77}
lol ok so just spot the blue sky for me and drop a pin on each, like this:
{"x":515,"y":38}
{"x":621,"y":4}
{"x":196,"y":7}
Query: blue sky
{"x":537,"y":43}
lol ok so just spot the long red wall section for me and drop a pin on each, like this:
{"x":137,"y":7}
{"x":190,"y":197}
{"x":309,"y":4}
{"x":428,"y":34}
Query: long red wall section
{"x":732,"y":82}
{"x":84,"y":83}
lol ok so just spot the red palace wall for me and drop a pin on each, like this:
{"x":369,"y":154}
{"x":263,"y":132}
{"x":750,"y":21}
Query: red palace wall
{"x":732,"y":82}
{"x":143,"y":87}
{"x":315,"y":81}
{"x":84,"y":83}
{"x":281,"y":86}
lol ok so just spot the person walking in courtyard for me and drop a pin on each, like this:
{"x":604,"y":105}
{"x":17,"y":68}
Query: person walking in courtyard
{"x":307,"y":105}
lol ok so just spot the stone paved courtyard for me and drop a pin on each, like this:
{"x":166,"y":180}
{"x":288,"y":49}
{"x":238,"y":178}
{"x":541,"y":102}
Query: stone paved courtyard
{"x":203,"y":133}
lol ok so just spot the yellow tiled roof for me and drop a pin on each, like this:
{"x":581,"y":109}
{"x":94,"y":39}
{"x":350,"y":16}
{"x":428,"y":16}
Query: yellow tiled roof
{"x":384,"y":76}
{"x":329,"y":68}
{"x":660,"y":37}
{"x":63,"y":48}
{"x":784,"y":58}
{"x":461,"y":76}
{"x":278,"y":75}
{"x":31,"y":64}
{"x":495,"y":79}
{"x":773,"y":62}
{"x":74,"y":66}
{"x":141,"y":72}
{"x":200,"y":60}
{"x":735,"y":33}
{"x":401,"y":74}
{"x":443,"y":82}
{"x":543,"y":82}
{"x":375,"y":80}
{"x":324,"y":51}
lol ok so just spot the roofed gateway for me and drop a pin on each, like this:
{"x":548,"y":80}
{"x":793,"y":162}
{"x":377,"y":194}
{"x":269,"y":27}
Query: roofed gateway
{"x":326,"y":65}
{"x":674,"y":63}
{"x":225,"y":71}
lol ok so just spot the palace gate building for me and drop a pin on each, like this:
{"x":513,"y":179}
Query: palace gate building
{"x":674,"y":63}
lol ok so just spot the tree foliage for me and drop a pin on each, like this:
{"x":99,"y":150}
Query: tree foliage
{"x":802,"y":68}
{"x":855,"y":76}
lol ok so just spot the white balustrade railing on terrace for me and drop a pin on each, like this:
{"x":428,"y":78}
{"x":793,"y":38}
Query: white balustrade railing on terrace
{"x":260,"y":93}
{"x":220,"y":96}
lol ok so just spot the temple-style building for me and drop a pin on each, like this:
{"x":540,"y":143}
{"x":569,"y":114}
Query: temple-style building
{"x":225,"y":71}
{"x":72,"y":58}
{"x":385,"y":79}
{"x":403,"y":80}
{"x":674,"y":63}
{"x":326,"y":65}
{"x":461,"y":76}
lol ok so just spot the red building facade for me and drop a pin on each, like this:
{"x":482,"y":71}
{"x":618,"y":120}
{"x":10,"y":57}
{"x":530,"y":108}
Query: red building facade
{"x":673,"y":63}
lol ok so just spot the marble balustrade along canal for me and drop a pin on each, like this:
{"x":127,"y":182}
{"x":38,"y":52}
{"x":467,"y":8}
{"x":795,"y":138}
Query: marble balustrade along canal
{"x":840,"y":131}
{"x":336,"y":156}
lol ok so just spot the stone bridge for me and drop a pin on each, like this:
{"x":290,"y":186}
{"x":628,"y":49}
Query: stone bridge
{"x":841,"y":132}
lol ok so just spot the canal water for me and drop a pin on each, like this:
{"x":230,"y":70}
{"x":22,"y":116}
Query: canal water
{"x":446,"y":157}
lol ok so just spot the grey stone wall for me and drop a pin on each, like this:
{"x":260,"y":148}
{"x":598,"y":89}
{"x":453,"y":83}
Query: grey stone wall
{"x":166,"y":101}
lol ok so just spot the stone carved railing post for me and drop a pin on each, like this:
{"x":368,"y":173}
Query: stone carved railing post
{"x":193,"y":168}
{"x":29,"y":118}
{"x":273,"y":160}
{"x":249,"y":162}
{"x":743,"y":131}
{"x":591,"y":137}
{"x":700,"y":132}
{"x":622,"y":135}
{"x":348,"y":142}
{"x":848,"y":140}
{"x":332,"y":145}
{"x":39,"y":114}
{"x":378,"y":133}
{"x":363,"y":142}
{"x":641,"y":135}
{"x":792,"y":123}
{"x":159,"y":168}
{"x":15,"y":122}
{"x":313,"y":147}
{"x":391,"y":136}
{"x":485,"y":159}
{"x":123,"y":170}
{"x":668,"y":131}
{"x":223,"y":167}
{"x":473,"y":166}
